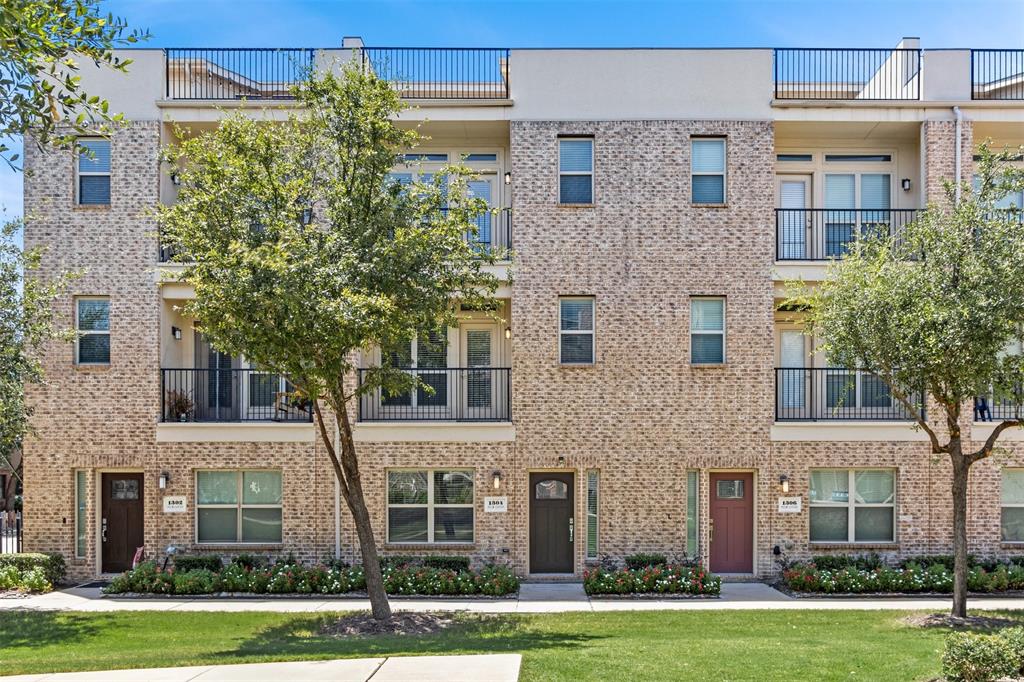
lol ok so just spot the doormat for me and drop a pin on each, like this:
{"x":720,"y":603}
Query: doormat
{"x":96,"y":583}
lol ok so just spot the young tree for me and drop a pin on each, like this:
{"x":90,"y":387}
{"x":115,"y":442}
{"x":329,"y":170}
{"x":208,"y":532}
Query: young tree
{"x":303,"y":253}
{"x":39,"y":89}
{"x":932,"y":309}
{"x":27,"y":324}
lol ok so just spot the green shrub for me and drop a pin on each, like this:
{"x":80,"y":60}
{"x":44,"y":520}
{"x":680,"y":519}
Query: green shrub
{"x":451,"y":563}
{"x":927,"y":560}
{"x":643,"y":560}
{"x":838,"y":562}
{"x":208,"y":562}
{"x":1015,"y":641}
{"x":667,"y":579}
{"x":397,"y":561}
{"x":147,"y":577}
{"x":970,"y":657}
{"x":196,"y":581}
{"x":52,"y":565}
{"x":235,"y":578}
{"x":250,"y":561}
{"x":30,"y":580}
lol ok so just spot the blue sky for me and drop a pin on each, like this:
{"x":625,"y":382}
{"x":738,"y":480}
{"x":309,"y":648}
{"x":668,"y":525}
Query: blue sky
{"x":577,"y":23}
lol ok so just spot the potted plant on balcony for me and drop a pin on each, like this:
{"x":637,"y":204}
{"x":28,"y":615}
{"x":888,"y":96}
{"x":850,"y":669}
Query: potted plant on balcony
{"x":179,"y":406}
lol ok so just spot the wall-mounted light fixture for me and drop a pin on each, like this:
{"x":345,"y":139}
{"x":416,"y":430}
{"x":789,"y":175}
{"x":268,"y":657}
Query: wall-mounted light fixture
{"x":175,"y":179}
{"x":164,"y":479}
{"x":784,"y":483}
{"x":176,"y":333}
{"x":905,"y":184}
{"x":508,"y":332}
{"x":508,"y":177}
{"x":561,"y":460}
{"x":496,"y":475}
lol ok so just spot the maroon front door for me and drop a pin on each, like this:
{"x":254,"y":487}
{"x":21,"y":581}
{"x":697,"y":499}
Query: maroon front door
{"x":732,"y":523}
{"x":121,"y":523}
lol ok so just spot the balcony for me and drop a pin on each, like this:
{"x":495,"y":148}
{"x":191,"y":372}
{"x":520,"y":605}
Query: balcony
{"x":819,"y":234}
{"x":229,"y":395}
{"x":442,"y":72}
{"x":462,"y":394}
{"x":235,"y":73}
{"x":808,"y":394}
{"x":848,"y":74}
{"x":997,"y":74}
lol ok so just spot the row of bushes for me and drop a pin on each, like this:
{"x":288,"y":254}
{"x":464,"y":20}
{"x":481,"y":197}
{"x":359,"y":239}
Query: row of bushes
{"x":293,"y":578}
{"x":971,"y":657}
{"x":212,"y":562}
{"x":869,"y":562}
{"x":662,"y":578}
{"x":912,"y":578}
{"x":50,"y":567}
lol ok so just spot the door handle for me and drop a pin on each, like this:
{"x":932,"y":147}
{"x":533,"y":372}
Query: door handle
{"x":103,"y":531}
{"x":570,"y":529}
{"x":711,"y":531}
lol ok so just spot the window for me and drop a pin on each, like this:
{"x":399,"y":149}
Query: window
{"x":858,"y":158}
{"x":1010,"y":200}
{"x":692,"y":527}
{"x":789,"y":158}
{"x":80,"y":514}
{"x":238,"y":506}
{"x":707,"y":331}
{"x":430,"y":506}
{"x":1012,"y":524}
{"x":428,"y":351}
{"x":866,"y":516}
{"x":92,"y":321}
{"x":576,"y":331}
{"x":576,"y":170}
{"x":94,"y":172}
{"x":707,"y":168}
{"x":592,"y":528}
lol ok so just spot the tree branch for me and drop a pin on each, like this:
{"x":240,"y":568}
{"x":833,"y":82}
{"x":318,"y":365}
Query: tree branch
{"x":990,"y":442}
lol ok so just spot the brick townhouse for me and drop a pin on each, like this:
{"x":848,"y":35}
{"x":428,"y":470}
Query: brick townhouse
{"x":645,"y":392}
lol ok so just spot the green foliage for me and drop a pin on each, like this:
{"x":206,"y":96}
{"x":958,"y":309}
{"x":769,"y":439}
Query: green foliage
{"x":834,"y":562}
{"x":196,"y":581}
{"x":643,"y":560}
{"x":450,"y":563}
{"x":40,"y":90}
{"x":209,"y":562}
{"x":661,"y":578}
{"x":250,"y":561}
{"x":833,"y":575}
{"x":971,"y":657}
{"x":28,"y":580}
{"x":52,"y":565}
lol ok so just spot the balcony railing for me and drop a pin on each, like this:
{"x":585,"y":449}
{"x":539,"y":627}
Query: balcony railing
{"x":442,"y":72}
{"x":997,"y":74}
{"x":827,"y":233}
{"x":463,"y":394}
{"x":235,"y":73}
{"x":838,"y":74}
{"x":229,"y":395}
{"x":1007,"y":405}
{"x":836,"y":394}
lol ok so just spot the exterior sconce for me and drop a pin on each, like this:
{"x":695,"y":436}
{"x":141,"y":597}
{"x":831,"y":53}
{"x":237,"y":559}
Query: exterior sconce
{"x":508,"y":177}
{"x":508,"y":332}
{"x":175,"y":179}
{"x":561,"y":461}
{"x":164,"y":479}
{"x":905,"y":184}
{"x":176,"y":333}
{"x":784,"y":483}
{"x":497,"y":478}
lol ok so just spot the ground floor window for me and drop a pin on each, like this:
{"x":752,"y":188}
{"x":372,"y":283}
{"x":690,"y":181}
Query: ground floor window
{"x":866,"y":515}
{"x":430,"y":506}
{"x":1012,"y":524}
{"x":592,"y":525}
{"x":238,"y":506}
{"x":692,"y":490}
{"x":80,"y":515}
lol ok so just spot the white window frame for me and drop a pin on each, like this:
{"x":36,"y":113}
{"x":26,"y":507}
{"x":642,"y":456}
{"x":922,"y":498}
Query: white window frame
{"x":430,"y":505}
{"x":1005,"y":505}
{"x":852,"y":506}
{"x":590,"y":174}
{"x":725,"y":355}
{"x":591,"y":331}
{"x":724,"y":172}
{"x":695,"y":550}
{"x":79,"y":173}
{"x":81,"y":543}
{"x":238,"y":506}
{"x":80,"y":333}
{"x":593,"y":518}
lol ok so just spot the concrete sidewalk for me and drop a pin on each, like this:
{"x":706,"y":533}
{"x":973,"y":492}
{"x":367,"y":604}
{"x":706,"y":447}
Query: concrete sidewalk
{"x":491,"y":667}
{"x":533,"y":598}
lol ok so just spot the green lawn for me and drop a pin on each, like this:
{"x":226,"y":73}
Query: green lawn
{"x":697,"y":645}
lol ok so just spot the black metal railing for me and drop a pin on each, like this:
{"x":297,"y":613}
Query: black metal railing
{"x":858,"y":73}
{"x":235,"y":73}
{"x":836,"y":394}
{"x":11,"y":535}
{"x":827,"y":233}
{"x":1000,"y":405}
{"x":997,"y":74}
{"x":463,"y":394}
{"x":442,"y":72}
{"x":229,"y":395}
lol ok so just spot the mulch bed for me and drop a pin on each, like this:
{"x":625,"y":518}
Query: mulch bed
{"x":400,"y":623}
{"x":632,"y":596}
{"x":782,"y":587}
{"x":945,"y":620}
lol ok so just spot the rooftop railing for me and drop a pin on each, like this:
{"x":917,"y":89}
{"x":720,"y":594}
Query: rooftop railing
{"x":848,"y":74}
{"x":997,"y":74}
{"x":235,"y":73}
{"x":442,"y":72}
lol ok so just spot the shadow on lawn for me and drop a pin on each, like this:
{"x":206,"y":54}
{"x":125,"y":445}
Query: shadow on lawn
{"x":37,"y":628}
{"x":472,"y":633}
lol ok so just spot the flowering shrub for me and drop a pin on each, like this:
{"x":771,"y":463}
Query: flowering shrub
{"x":912,"y":577}
{"x":972,"y":657}
{"x":666,"y":579}
{"x":27,"y":580}
{"x":196,"y":581}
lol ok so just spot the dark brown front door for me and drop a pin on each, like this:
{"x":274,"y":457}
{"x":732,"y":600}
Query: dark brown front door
{"x":121,"y":522}
{"x":552,"y":532}
{"x":732,"y":523}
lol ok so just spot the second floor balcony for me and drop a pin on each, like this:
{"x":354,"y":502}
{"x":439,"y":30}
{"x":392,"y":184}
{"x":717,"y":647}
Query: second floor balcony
{"x":818,"y":234}
{"x":229,"y":395}
{"x":455,"y":394}
{"x":837,"y":394}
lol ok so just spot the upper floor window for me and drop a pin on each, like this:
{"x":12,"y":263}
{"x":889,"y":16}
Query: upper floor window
{"x":707,"y":169}
{"x":94,"y":172}
{"x":707,"y":331}
{"x":576,"y":170}
{"x":576,"y":331}
{"x":92,"y":322}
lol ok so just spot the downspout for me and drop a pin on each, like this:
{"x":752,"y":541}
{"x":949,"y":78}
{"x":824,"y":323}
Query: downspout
{"x":959,"y":144}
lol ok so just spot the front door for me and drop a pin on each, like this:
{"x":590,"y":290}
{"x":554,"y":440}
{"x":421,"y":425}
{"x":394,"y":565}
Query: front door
{"x":793,"y":375}
{"x":732,"y":522}
{"x":121,"y":522}
{"x":552,"y":535}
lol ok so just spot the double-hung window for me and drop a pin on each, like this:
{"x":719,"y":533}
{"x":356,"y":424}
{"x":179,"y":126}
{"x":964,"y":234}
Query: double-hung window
{"x":853,"y":505}
{"x":576,"y":331}
{"x":238,"y":507}
{"x":1012,"y":496}
{"x":430,"y":506}
{"x":92,"y":322}
{"x":707,"y":330}
{"x":707,"y":170}
{"x":93,"y":172}
{"x":576,"y":170}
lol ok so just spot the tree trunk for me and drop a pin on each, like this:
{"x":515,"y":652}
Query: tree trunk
{"x":961,"y":469}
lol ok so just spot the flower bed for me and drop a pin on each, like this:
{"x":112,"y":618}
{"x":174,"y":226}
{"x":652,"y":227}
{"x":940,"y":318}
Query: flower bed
{"x":661,"y":579}
{"x":910,"y":578}
{"x":30,"y":572}
{"x":291,"y":578}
